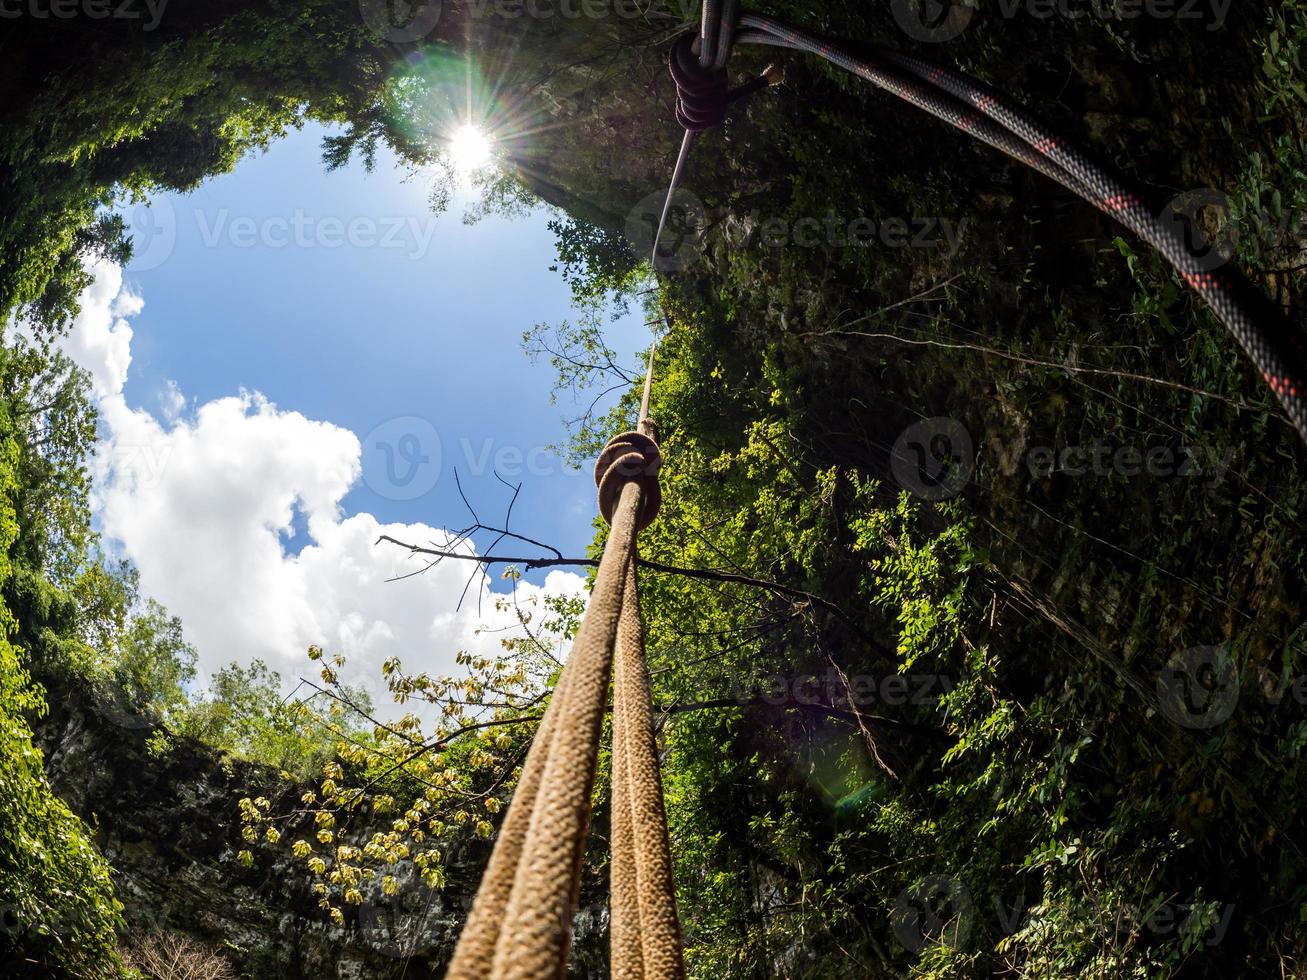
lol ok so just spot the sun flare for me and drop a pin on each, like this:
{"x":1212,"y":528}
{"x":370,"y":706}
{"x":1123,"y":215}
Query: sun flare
{"x":469,"y":148}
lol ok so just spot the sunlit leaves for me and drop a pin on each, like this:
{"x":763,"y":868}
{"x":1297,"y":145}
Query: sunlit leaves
{"x":435,"y":775}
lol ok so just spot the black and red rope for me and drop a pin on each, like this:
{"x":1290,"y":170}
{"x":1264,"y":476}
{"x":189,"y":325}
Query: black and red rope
{"x":1276,"y":347}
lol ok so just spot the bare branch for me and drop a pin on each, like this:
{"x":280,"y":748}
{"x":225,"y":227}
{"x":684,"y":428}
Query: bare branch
{"x":792,"y":704}
{"x":707,"y":574}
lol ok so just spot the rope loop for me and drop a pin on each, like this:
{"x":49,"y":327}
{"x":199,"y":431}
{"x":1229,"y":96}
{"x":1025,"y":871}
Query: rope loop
{"x":627,"y":457}
{"x":702,"y":93}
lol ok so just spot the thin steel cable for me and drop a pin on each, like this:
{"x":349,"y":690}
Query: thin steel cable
{"x":687,"y":143}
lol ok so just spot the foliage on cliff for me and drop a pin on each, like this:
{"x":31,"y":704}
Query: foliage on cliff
{"x":941,"y":741}
{"x":50,"y":871}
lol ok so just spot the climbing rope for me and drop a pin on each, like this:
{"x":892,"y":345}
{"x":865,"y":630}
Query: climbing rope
{"x":521,"y":921}
{"x":1277,"y":349}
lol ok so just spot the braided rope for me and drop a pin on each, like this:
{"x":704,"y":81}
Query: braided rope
{"x":475,"y":956}
{"x":520,"y":924}
{"x":626,"y":954}
{"x":646,"y":938}
{"x":1275,"y":346}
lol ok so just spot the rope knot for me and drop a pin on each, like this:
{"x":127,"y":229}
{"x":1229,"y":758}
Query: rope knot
{"x":629,"y":456}
{"x":702,"y":94}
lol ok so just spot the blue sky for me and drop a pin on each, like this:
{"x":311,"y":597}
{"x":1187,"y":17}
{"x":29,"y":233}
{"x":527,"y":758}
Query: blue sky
{"x":296,"y":362}
{"x":341,"y":296}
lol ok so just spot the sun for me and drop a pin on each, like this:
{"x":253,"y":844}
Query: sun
{"x":469,"y":148}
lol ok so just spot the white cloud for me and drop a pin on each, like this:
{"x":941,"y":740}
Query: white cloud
{"x":171,"y":401}
{"x":204,"y":504}
{"x":101,"y":338}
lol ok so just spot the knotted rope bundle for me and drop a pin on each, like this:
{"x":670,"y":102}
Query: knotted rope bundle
{"x":520,"y":924}
{"x":630,"y":456}
{"x":702,"y":92}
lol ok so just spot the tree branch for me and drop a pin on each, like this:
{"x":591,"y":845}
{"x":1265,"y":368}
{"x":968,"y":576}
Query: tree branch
{"x":793,"y":704}
{"x":707,"y":574}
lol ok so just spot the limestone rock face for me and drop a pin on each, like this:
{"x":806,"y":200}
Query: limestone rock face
{"x":169,"y":825}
